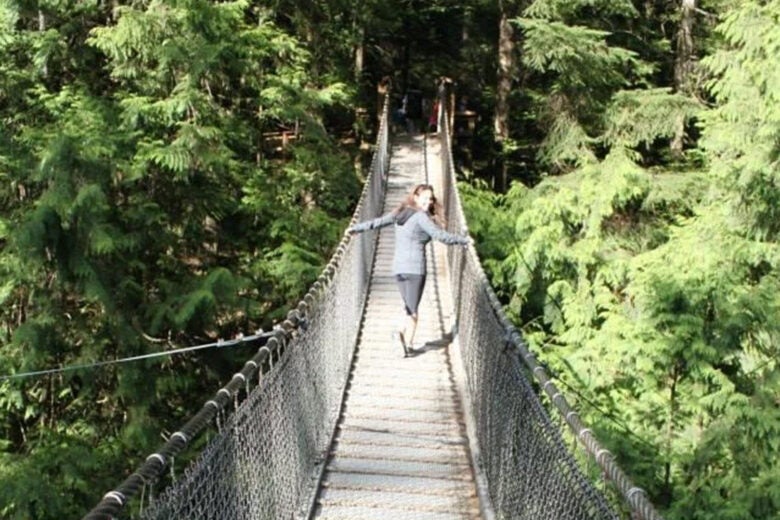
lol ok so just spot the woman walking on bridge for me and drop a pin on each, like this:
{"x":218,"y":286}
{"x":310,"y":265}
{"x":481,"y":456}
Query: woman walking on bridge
{"x":418,"y":219}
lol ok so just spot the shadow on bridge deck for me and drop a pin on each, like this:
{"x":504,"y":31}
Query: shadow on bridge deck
{"x":401,"y":449}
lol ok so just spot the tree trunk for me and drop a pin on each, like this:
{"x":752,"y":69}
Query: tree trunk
{"x":464,"y":34}
{"x":667,"y":487}
{"x":42,"y":28}
{"x":506,"y":71}
{"x":360,"y":53}
{"x":406,"y":58}
{"x":683,"y":66}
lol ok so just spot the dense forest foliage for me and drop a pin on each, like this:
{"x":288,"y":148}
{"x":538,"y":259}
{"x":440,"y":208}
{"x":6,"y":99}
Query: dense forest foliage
{"x":176,"y":171}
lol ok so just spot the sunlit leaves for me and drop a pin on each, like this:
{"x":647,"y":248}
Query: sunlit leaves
{"x":8,"y":19}
{"x":579,"y":54}
{"x":653,"y":291}
{"x":565,"y":9}
{"x":639,"y":117}
{"x":567,"y":144}
{"x":742,"y":132}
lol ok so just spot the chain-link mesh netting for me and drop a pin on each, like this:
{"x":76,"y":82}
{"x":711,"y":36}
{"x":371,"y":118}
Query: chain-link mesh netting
{"x":265,"y":462}
{"x":266,"y":459}
{"x":530,"y":473}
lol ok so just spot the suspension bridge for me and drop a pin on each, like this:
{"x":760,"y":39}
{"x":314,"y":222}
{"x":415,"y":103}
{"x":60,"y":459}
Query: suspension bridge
{"x":330,"y":420}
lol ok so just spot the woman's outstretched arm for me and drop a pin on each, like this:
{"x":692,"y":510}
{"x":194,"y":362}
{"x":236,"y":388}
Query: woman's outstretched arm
{"x":439,"y":234}
{"x":379,"y":222}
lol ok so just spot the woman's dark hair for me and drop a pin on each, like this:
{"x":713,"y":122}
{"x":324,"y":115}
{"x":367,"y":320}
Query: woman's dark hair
{"x":435,"y":210}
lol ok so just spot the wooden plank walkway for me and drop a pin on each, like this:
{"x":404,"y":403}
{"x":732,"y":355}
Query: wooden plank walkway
{"x":401,"y":449}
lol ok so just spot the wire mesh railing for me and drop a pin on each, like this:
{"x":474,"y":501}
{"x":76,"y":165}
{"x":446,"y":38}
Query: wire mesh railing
{"x":530,"y":473}
{"x":267,"y":455}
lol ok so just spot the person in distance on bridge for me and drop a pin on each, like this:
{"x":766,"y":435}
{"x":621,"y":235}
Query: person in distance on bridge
{"x":418,"y":219}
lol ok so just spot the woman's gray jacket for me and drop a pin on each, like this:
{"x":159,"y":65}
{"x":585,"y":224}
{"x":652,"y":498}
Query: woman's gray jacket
{"x":413,"y":230}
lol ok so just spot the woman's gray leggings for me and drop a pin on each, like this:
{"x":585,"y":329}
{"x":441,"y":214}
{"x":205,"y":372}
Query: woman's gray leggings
{"x":411,"y":287}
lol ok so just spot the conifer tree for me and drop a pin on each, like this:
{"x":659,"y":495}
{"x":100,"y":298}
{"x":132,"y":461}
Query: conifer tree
{"x":652,"y":291}
{"x":133,"y":143}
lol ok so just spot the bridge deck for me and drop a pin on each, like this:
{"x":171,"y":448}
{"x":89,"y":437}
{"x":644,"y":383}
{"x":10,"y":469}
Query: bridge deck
{"x":401,"y":449}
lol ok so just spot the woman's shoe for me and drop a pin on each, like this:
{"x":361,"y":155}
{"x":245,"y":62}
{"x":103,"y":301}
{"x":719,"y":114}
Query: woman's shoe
{"x":398,"y":337}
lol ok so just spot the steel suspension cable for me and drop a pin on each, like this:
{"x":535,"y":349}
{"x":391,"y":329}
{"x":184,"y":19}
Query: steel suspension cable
{"x":244,"y":340}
